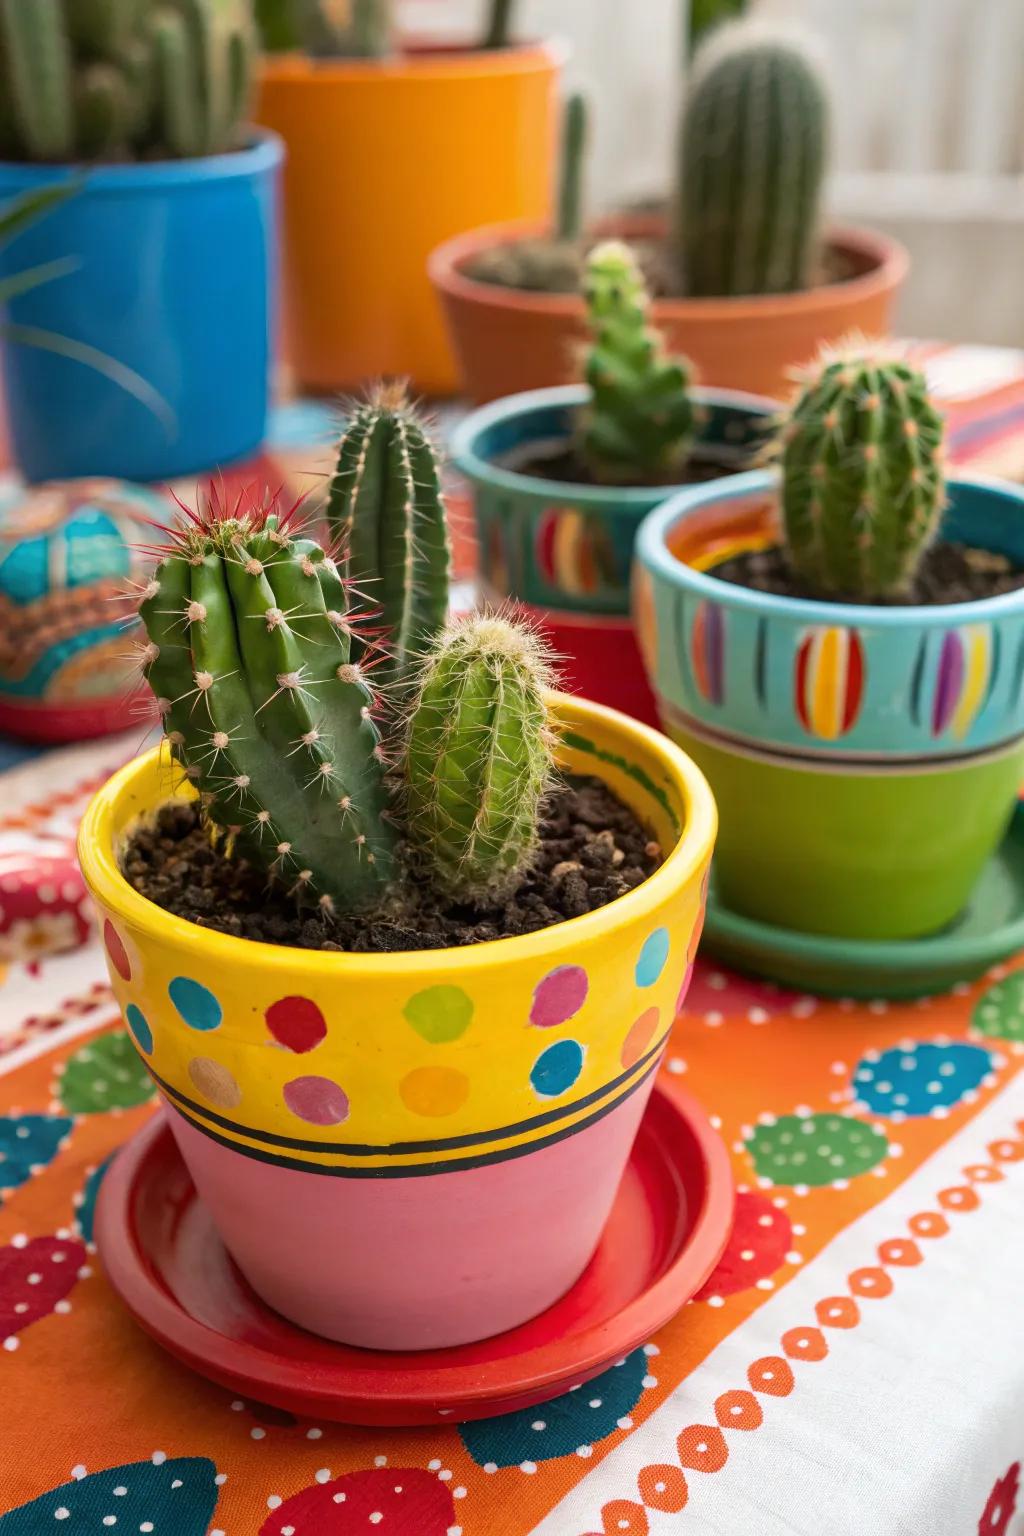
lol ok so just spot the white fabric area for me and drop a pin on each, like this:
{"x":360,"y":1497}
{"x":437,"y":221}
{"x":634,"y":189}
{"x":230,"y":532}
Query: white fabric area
{"x":907,"y":1423}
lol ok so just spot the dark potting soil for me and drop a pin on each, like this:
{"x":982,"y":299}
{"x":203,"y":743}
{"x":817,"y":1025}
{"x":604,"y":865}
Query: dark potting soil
{"x":948,"y":573}
{"x":560,"y":461}
{"x":592,"y":849}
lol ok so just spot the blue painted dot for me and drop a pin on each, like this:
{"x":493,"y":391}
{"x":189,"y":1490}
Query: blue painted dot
{"x":141,"y":1032}
{"x":557,"y":1068}
{"x":923,"y":1077}
{"x":652,"y":958}
{"x":196,"y":1003}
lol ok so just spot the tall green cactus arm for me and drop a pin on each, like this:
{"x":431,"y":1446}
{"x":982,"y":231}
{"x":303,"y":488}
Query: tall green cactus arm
{"x":250,"y":661}
{"x":499,"y":24}
{"x":862,"y":474}
{"x":479,"y":756}
{"x":38,"y":67}
{"x":387,"y":511}
{"x":346,"y":28}
{"x":573,"y":157}
{"x":752,"y":164}
{"x":639,"y":425}
{"x":203,"y":51}
{"x":100,"y":29}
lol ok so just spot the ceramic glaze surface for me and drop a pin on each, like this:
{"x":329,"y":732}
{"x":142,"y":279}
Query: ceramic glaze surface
{"x":828,"y":679}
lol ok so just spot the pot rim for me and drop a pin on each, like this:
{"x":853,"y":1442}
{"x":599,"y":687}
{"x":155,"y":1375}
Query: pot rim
{"x":890,"y":264}
{"x":263,"y":151}
{"x":417,"y":61}
{"x":691,"y":851}
{"x":653,"y":553}
{"x":463,"y":454}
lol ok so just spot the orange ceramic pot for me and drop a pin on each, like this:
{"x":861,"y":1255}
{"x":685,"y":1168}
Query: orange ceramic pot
{"x":507,"y":340}
{"x":385,"y":159}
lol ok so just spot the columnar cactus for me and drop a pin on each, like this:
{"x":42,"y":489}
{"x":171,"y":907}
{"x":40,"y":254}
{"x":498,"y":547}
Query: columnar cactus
{"x":640,"y":422}
{"x":114,"y":79}
{"x":499,"y":24}
{"x":346,"y":28}
{"x":752,"y":164}
{"x":570,"y":180}
{"x":387,"y":511}
{"x":249,"y":655}
{"x":479,"y":756}
{"x":862,"y":475}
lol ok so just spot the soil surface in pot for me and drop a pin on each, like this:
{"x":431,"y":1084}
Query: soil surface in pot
{"x":592,"y":849}
{"x":560,"y":461}
{"x":948,"y":573}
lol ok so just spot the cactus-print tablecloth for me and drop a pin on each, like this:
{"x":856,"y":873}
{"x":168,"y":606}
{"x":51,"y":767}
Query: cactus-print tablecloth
{"x":854,"y":1365}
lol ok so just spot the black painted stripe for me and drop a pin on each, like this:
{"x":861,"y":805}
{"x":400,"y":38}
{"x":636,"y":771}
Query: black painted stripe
{"x":419,"y":1170}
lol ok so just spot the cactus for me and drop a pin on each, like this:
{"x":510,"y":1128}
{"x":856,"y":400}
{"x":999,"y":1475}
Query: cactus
{"x":499,"y":24}
{"x":862,"y":475}
{"x":478,"y":756}
{"x":570,"y":177}
{"x":752,"y":165}
{"x":249,"y":655}
{"x":640,"y":422}
{"x":704,"y":15}
{"x":115,"y":79}
{"x":356,"y":29}
{"x":387,"y":511}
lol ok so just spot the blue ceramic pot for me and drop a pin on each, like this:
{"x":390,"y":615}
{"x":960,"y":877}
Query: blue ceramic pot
{"x":175,"y":271}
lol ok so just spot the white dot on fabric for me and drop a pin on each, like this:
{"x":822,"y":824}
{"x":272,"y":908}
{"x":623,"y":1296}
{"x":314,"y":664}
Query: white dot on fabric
{"x":323,"y":1475}
{"x":61,"y":1512}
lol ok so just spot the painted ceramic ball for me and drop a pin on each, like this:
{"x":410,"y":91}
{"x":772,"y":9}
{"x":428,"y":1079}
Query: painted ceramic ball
{"x":68,"y":551}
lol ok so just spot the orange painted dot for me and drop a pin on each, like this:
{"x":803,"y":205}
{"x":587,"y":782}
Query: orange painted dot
{"x":928,"y":1224}
{"x":624,"y":1518}
{"x":702,"y":1447}
{"x":639,"y":1038}
{"x":901,"y":1251}
{"x":837,"y":1312}
{"x":804,"y":1344}
{"x":771,"y":1374}
{"x":960,"y":1198}
{"x":983,"y":1173}
{"x":738,"y":1410}
{"x":1006,"y":1151}
{"x":663,"y":1487}
{"x":214,"y":1082}
{"x":871,"y":1282}
{"x":434,"y":1091}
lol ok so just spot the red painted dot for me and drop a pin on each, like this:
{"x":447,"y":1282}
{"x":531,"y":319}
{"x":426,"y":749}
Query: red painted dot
{"x":116,"y":950}
{"x":297,"y":1023}
{"x":640,"y":1035}
{"x":316,"y":1100}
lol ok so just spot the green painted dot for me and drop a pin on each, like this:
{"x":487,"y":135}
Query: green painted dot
{"x":999,"y":1012}
{"x":815,"y":1149}
{"x":439,"y":1014}
{"x":103,"y":1075}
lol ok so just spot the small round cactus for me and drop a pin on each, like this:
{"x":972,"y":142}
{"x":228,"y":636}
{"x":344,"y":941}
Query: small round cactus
{"x":862,"y":474}
{"x":479,"y":756}
{"x":639,"y":426}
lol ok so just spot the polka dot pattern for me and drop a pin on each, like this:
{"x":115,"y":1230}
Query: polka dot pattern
{"x":139,"y":1027}
{"x":106,"y":1074}
{"x":172,"y":1496}
{"x":317,"y":1100}
{"x":557,"y":1068}
{"x":214,"y":1082}
{"x":923,"y":1077}
{"x":999,"y":1013}
{"x":396,"y":1501}
{"x":434,"y":1091}
{"x":559,"y":996}
{"x":196,"y":1004}
{"x":439,"y":1014}
{"x":815,"y":1149}
{"x":296,"y":1023}
{"x":651,"y":961}
{"x":761,"y":1237}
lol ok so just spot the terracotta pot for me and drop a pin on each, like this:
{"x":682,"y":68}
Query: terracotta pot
{"x":415,"y":1150}
{"x":385,"y":159}
{"x":507,"y":341}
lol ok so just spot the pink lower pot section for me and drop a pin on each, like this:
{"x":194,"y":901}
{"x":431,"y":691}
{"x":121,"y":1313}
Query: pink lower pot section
{"x":416,"y":1263}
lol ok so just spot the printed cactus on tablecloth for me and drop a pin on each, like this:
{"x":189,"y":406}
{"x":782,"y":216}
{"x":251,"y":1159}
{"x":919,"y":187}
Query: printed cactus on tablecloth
{"x":752,"y":164}
{"x":479,"y":755}
{"x":862,"y":474}
{"x":250,"y":654}
{"x":387,"y":510}
{"x":639,"y":425}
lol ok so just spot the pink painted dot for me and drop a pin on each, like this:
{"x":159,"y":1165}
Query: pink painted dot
{"x":560,"y":994}
{"x":297,"y":1023}
{"x":116,"y":950}
{"x":316,"y":1100}
{"x":683,"y":989}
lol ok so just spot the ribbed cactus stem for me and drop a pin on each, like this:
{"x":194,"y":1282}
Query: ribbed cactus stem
{"x":752,"y":163}
{"x":346,"y":28}
{"x":37,"y":62}
{"x":570,"y":184}
{"x":639,"y":425}
{"x":387,"y":511}
{"x":203,"y":56}
{"x":499,"y":24}
{"x":862,"y":475}
{"x":479,"y":756}
{"x":248,"y":653}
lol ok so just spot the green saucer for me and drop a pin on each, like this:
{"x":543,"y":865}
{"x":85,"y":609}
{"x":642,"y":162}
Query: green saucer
{"x":990,"y":928}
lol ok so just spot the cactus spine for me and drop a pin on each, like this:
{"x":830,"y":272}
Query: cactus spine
{"x":862,"y":475}
{"x":640,"y":423}
{"x":112,"y":79}
{"x":347,"y":28}
{"x":249,"y":655}
{"x":570,"y":180}
{"x":479,"y":756}
{"x":752,"y":165}
{"x":387,"y":511}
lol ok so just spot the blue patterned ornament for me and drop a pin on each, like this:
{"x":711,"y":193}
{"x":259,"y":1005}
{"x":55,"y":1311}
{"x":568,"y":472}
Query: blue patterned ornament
{"x":27,"y":1144}
{"x":921,"y":1078}
{"x":169,"y":1498}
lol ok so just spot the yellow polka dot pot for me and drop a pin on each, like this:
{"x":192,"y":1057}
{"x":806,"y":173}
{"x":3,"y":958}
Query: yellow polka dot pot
{"x":415,"y":1150}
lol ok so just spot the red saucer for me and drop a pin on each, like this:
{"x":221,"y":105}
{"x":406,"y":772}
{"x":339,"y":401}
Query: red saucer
{"x":667,"y":1230}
